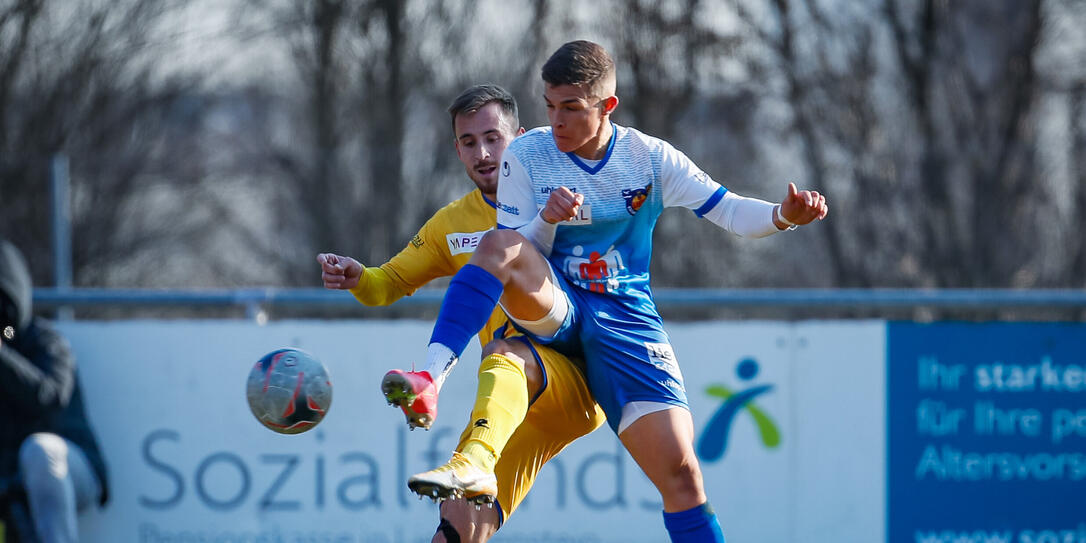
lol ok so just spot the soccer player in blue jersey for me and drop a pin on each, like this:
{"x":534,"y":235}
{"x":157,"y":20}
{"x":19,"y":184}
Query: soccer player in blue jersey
{"x":569,"y":264}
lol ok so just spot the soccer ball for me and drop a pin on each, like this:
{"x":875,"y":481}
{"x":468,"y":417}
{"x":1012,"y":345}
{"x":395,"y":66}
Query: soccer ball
{"x":289,"y":391}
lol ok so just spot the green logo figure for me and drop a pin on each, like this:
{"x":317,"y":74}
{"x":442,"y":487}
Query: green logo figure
{"x":714,"y":439}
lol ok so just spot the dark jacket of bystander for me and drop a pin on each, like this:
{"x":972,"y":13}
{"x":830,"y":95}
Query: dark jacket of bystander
{"x":39,"y":388}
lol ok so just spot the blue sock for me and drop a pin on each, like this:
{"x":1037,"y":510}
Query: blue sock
{"x":472,"y":296}
{"x":695,"y":525}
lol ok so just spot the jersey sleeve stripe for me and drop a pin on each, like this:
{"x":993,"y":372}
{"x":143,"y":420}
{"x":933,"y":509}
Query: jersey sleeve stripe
{"x":711,"y":202}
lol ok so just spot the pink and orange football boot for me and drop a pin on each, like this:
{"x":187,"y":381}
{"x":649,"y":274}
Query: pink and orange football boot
{"x":415,"y":393}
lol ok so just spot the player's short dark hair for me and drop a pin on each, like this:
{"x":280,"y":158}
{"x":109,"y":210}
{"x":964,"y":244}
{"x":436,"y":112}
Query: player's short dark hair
{"x":579,"y":62}
{"x":474,"y":98}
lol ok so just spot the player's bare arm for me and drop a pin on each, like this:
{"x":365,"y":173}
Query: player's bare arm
{"x":339,"y":272}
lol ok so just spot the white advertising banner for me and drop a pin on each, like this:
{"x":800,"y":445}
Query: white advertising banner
{"x":789,"y":418}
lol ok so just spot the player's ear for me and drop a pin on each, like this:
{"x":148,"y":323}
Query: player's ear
{"x":609,"y":104}
{"x":520,"y":131}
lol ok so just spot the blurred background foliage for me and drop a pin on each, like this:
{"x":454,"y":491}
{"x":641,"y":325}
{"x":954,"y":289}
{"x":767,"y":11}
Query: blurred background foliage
{"x":227,"y":143}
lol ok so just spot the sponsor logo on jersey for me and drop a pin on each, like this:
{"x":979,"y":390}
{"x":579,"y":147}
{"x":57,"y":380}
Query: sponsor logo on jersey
{"x":583,"y":217}
{"x":548,"y":190}
{"x":417,"y":241}
{"x":512,"y":210}
{"x":662,"y":356}
{"x":636,"y":197}
{"x":463,"y":242}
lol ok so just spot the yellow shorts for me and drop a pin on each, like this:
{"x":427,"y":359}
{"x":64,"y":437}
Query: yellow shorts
{"x":563,"y":411}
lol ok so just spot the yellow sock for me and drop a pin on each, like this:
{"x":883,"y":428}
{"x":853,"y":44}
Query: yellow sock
{"x":500,"y":405}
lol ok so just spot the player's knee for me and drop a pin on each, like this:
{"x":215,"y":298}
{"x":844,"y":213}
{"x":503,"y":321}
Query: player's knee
{"x":42,"y":455}
{"x":500,"y":240}
{"x":498,"y":248}
{"x":684,"y":482}
{"x":504,"y":348}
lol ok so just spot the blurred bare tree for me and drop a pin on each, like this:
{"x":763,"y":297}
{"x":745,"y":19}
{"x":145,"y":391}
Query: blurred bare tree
{"x":319,"y":161}
{"x":674,"y":83}
{"x":949,"y":136}
{"x":1077,"y":129}
{"x":1063,"y":77}
{"x":368,"y":144}
{"x":80,"y":79}
{"x":919,"y":121}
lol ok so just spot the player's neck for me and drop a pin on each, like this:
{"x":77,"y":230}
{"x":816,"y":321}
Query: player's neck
{"x":596,"y":148}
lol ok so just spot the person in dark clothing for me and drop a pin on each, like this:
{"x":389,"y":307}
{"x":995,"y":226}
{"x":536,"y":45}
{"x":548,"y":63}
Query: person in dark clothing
{"x":47,"y":447}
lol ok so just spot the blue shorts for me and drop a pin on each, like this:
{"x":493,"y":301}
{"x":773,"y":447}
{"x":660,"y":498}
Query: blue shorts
{"x":628,"y":356}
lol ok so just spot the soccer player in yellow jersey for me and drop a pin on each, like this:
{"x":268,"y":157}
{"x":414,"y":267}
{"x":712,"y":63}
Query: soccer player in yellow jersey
{"x":522,"y":385}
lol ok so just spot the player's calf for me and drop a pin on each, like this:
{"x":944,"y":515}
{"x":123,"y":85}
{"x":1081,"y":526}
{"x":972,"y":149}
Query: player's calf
{"x":462,"y":522}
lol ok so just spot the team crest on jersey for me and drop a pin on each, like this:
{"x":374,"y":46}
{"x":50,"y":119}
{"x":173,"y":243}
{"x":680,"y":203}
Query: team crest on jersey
{"x":505,"y":168}
{"x":635,"y":198}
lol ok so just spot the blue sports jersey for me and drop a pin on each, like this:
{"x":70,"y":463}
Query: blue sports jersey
{"x":607,"y":248}
{"x":602,"y":255}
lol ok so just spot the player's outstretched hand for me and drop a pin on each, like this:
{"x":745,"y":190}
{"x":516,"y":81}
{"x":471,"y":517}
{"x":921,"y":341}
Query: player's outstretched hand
{"x":339,"y":272}
{"x":803,"y":206}
{"x":563,"y":204}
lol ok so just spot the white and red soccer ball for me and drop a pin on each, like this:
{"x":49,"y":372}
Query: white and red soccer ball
{"x":289,"y":391}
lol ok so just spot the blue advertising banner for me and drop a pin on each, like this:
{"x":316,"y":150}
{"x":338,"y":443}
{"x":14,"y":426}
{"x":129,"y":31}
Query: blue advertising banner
{"x":986,"y":426}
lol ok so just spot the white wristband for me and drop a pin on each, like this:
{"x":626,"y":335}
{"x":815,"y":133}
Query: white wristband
{"x":540,"y":233}
{"x":780,"y":217}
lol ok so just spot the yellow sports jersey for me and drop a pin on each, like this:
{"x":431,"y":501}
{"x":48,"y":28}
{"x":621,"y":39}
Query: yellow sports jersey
{"x":563,"y":411}
{"x":440,"y":248}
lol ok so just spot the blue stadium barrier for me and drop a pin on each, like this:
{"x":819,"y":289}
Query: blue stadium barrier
{"x":665,"y":297}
